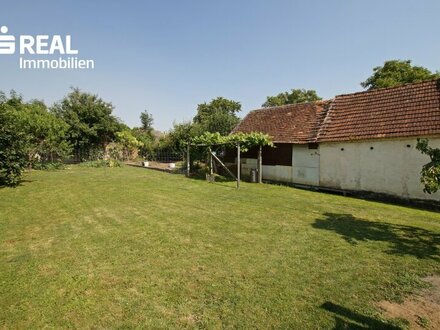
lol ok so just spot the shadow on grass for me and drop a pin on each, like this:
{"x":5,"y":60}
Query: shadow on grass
{"x":404,"y":240}
{"x":20,"y":184}
{"x":348,"y":319}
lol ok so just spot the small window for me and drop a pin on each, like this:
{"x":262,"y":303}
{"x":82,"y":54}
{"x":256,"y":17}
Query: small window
{"x":313,"y":145}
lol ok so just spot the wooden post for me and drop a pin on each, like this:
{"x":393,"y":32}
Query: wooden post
{"x":238,"y":165}
{"x":211,"y":170}
{"x":260,"y":165}
{"x":187,"y":161}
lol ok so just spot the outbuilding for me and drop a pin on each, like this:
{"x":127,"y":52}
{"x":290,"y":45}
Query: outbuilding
{"x":363,"y":141}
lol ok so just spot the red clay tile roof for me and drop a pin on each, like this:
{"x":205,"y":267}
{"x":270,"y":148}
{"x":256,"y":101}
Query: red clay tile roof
{"x":404,"y":111}
{"x":408,"y":110}
{"x":293,"y":123}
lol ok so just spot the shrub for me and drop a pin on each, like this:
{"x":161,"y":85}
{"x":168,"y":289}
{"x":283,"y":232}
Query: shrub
{"x":431,"y":171}
{"x":102,"y":163}
{"x":48,"y":166}
{"x":13,"y":146}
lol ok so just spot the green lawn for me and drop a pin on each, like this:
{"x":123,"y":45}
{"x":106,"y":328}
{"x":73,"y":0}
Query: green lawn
{"x":130,"y":247}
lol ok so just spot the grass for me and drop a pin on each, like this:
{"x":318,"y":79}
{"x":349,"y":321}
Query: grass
{"x":130,"y":247}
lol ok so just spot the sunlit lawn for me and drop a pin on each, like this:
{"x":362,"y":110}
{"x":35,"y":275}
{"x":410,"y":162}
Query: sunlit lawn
{"x":131,"y":247}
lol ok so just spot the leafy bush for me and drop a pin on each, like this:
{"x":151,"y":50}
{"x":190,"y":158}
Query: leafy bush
{"x":48,"y":166}
{"x":102,"y":163}
{"x":431,"y":171}
{"x":13,"y":145}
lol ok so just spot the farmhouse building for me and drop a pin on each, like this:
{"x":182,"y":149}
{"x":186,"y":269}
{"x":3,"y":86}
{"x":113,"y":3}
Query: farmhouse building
{"x":363,"y":141}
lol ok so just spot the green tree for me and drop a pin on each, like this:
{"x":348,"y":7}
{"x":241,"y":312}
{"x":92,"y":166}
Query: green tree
{"x":147,"y":121}
{"x":178,"y":138}
{"x":292,"y":97}
{"x":145,"y":135}
{"x":219,"y":115}
{"x":13,"y":142}
{"x":396,"y":73}
{"x":30,"y":133}
{"x":91,"y":122}
{"x":46,"y":132}
{"x":147,"y":139}
{"x":129,"y":143}
{"x":430,"y":175}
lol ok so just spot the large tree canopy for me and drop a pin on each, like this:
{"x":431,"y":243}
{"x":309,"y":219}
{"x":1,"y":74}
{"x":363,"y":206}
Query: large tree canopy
{"x":292,"y":97}
{"x":397,"y":72}
{"x":219,"y":115}
{"x":91,"y":122}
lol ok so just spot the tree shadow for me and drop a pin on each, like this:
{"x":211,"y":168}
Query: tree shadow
{"x":348,"y":319}
{"x":403,"y":240}
{"x":20,"y":184}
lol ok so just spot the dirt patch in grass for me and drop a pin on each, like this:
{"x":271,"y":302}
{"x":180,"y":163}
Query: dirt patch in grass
{"x":421,"y":311}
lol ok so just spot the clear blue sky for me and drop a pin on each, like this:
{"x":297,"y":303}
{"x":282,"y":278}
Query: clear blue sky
{"x":168,"y":56}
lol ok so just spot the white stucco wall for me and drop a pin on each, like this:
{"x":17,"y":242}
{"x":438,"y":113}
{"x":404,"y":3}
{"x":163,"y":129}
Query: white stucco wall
{"x":390,"y":167}
{"x":305,"y":163}
{"x":277,"y":173}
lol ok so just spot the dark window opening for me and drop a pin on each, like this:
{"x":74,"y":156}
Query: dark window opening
{"x":281,"y":154}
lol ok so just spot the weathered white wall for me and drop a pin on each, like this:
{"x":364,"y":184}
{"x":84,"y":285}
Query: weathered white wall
{"x":305,"y":163}
{"x":277,"y":173}
{"x":390,"y":167}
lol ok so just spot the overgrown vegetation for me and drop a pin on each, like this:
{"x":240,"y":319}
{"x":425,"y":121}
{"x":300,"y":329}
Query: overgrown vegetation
{"x":29,"y":133}
{"x":81,"y":127}
{"x":430,"y":175}
{"x":91,"y":124}
{"x":101,"y":163}
{"x":48,"y":166}
{"x":13,"y":145}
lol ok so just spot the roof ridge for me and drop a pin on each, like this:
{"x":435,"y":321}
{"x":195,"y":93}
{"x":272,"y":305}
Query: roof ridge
{"x":390,"y":88}
{"x":317,"y":102}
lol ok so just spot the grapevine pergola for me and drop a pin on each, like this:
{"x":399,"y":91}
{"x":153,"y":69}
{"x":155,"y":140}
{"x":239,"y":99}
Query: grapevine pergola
{"x":242,"y":141}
